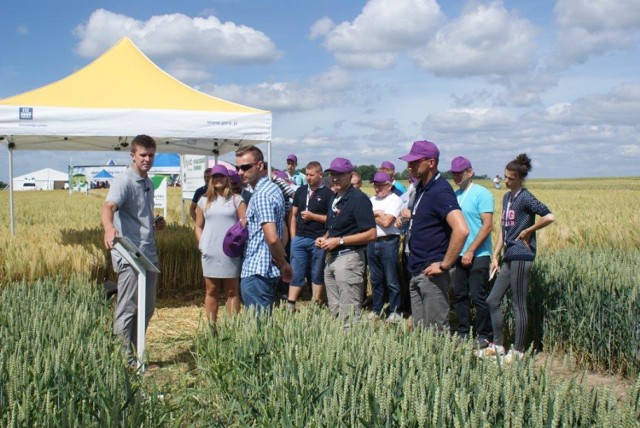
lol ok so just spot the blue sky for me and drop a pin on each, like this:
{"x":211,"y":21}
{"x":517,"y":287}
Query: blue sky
{"x":364,"y":79}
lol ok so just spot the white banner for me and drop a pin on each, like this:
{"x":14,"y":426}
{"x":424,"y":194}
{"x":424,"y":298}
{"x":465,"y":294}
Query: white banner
{"x":193,"y":167}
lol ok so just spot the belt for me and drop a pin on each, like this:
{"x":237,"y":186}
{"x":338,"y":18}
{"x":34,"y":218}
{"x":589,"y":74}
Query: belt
{"x":343,"y":252}
{"x":386,"y":238}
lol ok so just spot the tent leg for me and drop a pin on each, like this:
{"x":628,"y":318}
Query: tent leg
{"x":12,"y":214}
{"x":269,"y":160}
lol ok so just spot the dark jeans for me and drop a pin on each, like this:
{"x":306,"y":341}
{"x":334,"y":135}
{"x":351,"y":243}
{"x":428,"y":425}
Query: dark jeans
{"x":382,"y":257}
{"x":472,"y":282}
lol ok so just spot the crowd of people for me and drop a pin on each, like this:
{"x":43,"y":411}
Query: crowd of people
{"x":325,"y":233}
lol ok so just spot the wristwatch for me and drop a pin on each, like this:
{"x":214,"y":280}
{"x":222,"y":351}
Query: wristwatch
{"x":341,"y":241}
{"x":442,"y":268}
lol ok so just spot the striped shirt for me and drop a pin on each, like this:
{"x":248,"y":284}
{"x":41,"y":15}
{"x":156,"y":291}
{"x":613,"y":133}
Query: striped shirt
{"x":266,"y":206}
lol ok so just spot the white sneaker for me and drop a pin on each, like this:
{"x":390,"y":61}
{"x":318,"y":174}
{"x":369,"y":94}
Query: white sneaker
{"x":372,"y":316}
{"x":490,"y":351}
{"x":512,"y":356}
{"x":394,"y":318}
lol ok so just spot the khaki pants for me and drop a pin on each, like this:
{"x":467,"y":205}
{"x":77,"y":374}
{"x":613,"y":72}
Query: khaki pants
{"x":344,"y":281}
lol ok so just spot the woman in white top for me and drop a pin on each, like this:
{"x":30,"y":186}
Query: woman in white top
{"x":216,"y":212}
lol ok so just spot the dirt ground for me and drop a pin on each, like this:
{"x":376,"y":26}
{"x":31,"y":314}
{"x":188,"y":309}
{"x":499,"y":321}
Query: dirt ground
{"x":176,"y":322}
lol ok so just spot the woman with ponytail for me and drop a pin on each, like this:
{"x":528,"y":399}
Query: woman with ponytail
{"x":517,"y":244}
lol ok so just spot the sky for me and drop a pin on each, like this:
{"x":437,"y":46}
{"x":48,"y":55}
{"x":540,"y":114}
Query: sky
{"x":558,"y":80}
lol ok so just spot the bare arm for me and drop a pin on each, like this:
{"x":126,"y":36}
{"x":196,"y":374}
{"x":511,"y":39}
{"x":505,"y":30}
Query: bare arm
{"x":459,"y":233}
{"x":361,"y":238}
{"x":106,"y":217}
{"x":192,"y":210}
{"x":199,"y":223}
{"x":483,"y":233}
{"x":292,"y":222}
{"x":383,"y":219}
{"x":495,"y":258}
{"x":542,"y":222}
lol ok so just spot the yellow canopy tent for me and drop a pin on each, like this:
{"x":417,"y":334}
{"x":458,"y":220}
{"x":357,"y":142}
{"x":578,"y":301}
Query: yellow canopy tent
{"x":121,"y":94}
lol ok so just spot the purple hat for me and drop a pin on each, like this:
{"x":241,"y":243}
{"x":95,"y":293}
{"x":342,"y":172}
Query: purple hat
{"x":381,"y":177}
{"x":460,"y":164}
{"x":220,"y":169}
{"x":235,"y":240}
{"x":292,"y":158}
{"x":235,"y":178}
{"x":388,"y":165}
{"x":280,"y":174}
{"x":420,"y":150}
{"x":340,"y":165}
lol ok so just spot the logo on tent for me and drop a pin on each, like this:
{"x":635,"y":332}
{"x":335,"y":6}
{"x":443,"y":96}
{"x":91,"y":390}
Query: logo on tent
{"x":25,"y":113}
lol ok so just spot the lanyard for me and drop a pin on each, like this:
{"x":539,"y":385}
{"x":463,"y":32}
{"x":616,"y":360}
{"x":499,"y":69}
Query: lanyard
{"x":511,"y":200}
{"x":310,"y":195}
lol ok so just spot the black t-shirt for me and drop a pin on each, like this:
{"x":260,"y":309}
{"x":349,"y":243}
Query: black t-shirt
{"x":352,"y":214}
{"x":319,"y":202}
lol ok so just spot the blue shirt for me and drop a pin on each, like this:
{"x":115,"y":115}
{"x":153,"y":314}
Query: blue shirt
{"x":266,"y":206}
{"x":474,"y":201}
{"x":429,"y":230}
{"x":297,"y":178}
{"x":397,"y":185}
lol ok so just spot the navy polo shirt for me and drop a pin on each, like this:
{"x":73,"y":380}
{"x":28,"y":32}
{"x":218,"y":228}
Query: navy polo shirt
{"x":319,"y":203}
{"x":430,"y":232}
{"x":352,"y":214}
{"x":200,"y":191}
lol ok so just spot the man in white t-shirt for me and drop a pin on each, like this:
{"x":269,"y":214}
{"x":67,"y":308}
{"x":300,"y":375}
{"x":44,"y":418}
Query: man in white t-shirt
{"x":382,"y":254}
{"x":471,"y":276}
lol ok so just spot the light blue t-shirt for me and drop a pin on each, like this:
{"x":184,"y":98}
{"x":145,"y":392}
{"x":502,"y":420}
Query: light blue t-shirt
{"x":475,"y":200}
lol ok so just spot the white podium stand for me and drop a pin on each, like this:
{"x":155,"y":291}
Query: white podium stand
{"x":142,"y":265}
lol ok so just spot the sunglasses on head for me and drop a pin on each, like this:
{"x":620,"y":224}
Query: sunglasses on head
{"x":245,"y":167}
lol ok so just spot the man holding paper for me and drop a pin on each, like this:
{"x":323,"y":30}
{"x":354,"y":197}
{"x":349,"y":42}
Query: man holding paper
{"x":128,"y":212}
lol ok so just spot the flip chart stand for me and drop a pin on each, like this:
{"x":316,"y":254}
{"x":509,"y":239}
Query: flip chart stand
{"x":142,"y":265}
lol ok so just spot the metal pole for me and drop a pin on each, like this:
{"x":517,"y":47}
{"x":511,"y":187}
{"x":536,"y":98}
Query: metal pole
{"x":142,"y":312}
{"x":11,"y":209}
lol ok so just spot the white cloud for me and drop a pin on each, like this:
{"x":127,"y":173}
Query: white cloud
{"x":593,"y":27}
{"x":321,"y":28}
{"x":384,"y":28}
{"x":187,"y":43}
{"x":319,"y":91}
{"x":22,"y":30}
{"x":485,"y":39}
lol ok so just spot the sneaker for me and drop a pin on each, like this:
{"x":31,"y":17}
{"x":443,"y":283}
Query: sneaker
{"x":372,"y":316}
{"x":394,"y":318}
{"x":491,"y":350}
{"x":480,"y":343}
{"x":512,"y":356}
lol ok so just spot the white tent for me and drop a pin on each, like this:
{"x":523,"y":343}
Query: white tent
{"x":44,"y":179}
{"x":102,"y":106}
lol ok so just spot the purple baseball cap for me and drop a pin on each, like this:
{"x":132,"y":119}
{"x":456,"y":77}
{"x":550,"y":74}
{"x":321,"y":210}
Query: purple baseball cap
{"x":340,"y":165}
{"x":235,"y":178}
{"x":292,"y":158}
{"x":280,"y":174}
{"x":421,"y":150}
{"x":460,"y":164}
{"x":388,"y":165}
{"x":220,"y":169}
{"x":381,"y":178}
{"x":235,"y":240}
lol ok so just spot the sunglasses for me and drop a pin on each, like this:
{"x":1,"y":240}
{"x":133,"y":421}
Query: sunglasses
{"x":245,"y":167}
